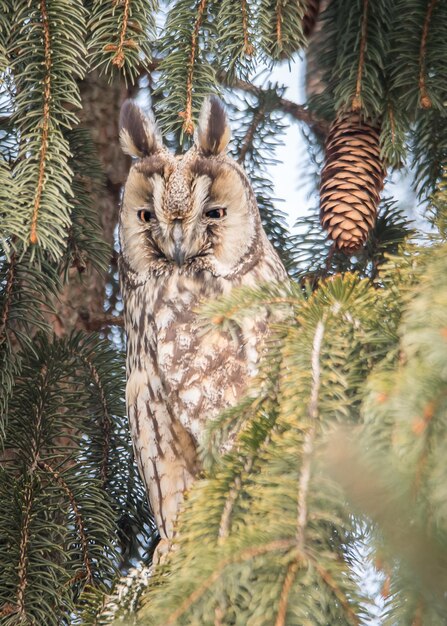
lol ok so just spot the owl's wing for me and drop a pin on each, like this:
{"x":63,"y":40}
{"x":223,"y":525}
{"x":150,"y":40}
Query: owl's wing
{"x":165,"y":452}
{"x":205,"y":372}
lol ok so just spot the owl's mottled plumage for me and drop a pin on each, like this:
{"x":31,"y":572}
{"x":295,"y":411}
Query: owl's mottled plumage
{"x":190,"y":230}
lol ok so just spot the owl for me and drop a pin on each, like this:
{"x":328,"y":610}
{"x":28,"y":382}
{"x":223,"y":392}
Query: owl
{"x":190,"y":230}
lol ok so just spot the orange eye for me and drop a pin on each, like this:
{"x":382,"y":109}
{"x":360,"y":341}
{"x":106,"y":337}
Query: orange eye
{"x":144,"y":215}
{"x":216,"y":213}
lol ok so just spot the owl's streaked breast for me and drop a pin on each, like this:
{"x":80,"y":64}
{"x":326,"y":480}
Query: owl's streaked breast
{"x":202,"y":371}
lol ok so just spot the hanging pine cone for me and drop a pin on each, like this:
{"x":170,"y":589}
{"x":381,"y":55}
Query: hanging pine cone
{"x":351,"y":181}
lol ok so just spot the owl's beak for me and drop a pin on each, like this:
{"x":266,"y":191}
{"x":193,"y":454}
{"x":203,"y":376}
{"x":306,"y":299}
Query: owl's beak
{"x":179,"y":255}
{"x":177,"y":237}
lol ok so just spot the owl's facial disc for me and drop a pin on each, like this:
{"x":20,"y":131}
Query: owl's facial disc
{"x":196,"y":212}
{"x":210,"y":228}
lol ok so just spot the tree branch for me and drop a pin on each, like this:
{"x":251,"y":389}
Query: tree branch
{"x":10,"y":276}
{"x":98,"y":322}
{"x":78,"y":517}
{"x":247,"y":142}
{"x":289,"y":579}
{"x":45,"y":124}
{"x":357,"y":100}
{"x":244,"y":555}
{"x":106,"y":419}
{"x":308,"y":446}
{"x":425,"y":99}
{"x":297,"y":111}
{"x":188,"y":124}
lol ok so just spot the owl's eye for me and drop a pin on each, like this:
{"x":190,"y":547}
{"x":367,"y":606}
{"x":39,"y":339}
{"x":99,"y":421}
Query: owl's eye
{"x":144,"y":215}
{"x":216,"y":213}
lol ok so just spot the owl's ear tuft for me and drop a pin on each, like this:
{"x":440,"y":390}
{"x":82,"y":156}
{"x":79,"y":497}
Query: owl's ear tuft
{"x":213,"y":132}
{"x":139,"y":135}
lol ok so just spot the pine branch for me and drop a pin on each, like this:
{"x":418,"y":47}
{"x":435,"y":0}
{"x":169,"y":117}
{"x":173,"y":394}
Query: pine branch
{"x":289,"y":581}
{"x":65,"y":531}
{"x":297,"y":111}
{"x":27,"y":290}
{"x":98,"y":322}
{"x":120,"y":36}
{"x":234,"y":46}
{"x":186,"y":74}
{"x":233,"y":495}
{"x":188,"y":124}
{"x":428,"y":141}
{"x":309,"y":438}
{"x":247,"y":141}
{"x":424,"y":97}
{"x":45,"y":69}
{"x":357,"y":100}
{"x":45,"y":122}
{"x":353,"y":67}
{"x":78,"y":517}
{"x":248,"y":47}
{"x":415,"y":71}
{"x":85,"y":247}
{"x":280,"y":24}
{"x":106,"y":419}
{"x":7,"y":295}
{"x":118,"y":57}
{"x":245,"y":555}
{"x":338,"y":593}
{"x":404,"y":426}
{"x":254,"y":140}
{"x":19,"y":605}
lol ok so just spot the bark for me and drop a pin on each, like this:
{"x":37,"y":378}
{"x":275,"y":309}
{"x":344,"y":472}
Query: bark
{"x":81,"y":303}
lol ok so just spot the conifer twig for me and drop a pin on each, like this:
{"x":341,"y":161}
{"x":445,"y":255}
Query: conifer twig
{"x":118,"y":57}
{"x":297,"y":111}
{"x":328,"y":579}
{"x":79,"y":522}
{"x":22,"y":565}
{"x":425,"y":98}
{"x":7,"y":293}
{"x":278,"y":22}
{"x":248,"y":47}
{"x":188,"y":124}
{"x":45,"y":121}
{"x":97,"y":322}
{"x":289,"y":579}
{"x":357,"y":100}
{"x":244,"y":555}
{"x":235,"y":490}
{"x":247,"y":142}
{"x":106,"y":421}
{"x":304,"y":479}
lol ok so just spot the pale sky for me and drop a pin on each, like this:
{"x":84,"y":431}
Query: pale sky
{"x":292,"y":187}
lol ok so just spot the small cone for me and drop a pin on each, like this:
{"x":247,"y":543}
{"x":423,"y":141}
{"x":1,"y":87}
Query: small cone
{"x":351,"y":181}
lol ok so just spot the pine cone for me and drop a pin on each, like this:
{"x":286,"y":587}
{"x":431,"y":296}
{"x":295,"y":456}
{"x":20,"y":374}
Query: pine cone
{"x":351,"y":181}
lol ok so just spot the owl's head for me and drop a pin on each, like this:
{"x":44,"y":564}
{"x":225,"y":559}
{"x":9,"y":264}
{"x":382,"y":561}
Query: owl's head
{"x":192,"y":212}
